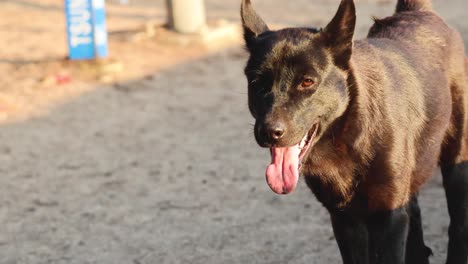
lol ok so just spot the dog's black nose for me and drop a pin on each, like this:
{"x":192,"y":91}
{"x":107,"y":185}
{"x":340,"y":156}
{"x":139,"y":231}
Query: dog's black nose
{"x":276,"y":131}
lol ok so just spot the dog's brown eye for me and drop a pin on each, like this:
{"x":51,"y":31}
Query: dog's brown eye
{"x":307,"y":82}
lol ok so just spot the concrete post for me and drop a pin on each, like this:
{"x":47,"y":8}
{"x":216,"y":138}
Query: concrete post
{"x":186,"y":16}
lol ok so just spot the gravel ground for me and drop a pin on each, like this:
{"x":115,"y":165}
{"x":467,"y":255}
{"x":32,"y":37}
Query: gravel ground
{"x":164,"y":169}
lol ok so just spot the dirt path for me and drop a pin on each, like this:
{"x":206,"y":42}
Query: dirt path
{"x":164,"y":169}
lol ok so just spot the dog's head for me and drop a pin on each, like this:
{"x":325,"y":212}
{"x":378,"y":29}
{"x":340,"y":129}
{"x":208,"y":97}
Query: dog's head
{"x":297,"y":86}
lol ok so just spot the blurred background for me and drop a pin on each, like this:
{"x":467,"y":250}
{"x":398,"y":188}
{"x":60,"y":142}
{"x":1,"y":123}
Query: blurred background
{"x":147,"y":155}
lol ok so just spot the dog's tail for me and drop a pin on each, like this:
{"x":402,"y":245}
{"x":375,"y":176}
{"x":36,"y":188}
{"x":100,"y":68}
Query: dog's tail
{"x":413,"y":5}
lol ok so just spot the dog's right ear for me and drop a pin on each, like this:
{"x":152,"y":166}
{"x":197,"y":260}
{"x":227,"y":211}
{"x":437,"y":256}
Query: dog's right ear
{"x":253,"y":25}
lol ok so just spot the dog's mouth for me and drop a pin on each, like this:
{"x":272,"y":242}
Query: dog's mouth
{"x":283,"y":173}
{"x":306,"y":142}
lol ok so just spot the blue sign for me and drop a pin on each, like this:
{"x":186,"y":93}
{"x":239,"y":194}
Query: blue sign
{"x":86,"y":29}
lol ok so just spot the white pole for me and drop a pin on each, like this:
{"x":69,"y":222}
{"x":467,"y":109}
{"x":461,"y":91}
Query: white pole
{"x":186,"y":16}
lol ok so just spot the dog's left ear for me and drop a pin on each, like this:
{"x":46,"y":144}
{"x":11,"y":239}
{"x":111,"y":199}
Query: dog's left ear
{"x":338,"y":35}
{"x":252,"y":23}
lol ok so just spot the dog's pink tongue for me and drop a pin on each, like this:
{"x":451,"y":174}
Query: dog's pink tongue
{"x":283,"y":172}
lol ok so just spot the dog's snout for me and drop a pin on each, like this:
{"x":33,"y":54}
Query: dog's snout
{"x":272,"y":133}
{"x":276,"y":130}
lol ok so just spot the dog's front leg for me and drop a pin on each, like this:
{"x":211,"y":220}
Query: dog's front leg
{"x":352,"y":236}
{"x":388,"y":232}
{"x":416,"y":250}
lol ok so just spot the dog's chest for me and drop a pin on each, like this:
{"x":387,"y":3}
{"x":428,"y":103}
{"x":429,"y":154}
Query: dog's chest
{"x":329,"y":172}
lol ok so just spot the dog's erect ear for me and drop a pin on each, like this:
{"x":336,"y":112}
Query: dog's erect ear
{"x":338,"y":34}
{"x":253,"y":25}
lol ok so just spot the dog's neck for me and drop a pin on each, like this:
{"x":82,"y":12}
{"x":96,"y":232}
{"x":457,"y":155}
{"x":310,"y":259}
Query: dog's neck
{"x":362,"y":119}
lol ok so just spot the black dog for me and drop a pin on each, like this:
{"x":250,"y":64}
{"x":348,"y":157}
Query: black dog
{"x":366,"y":123}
